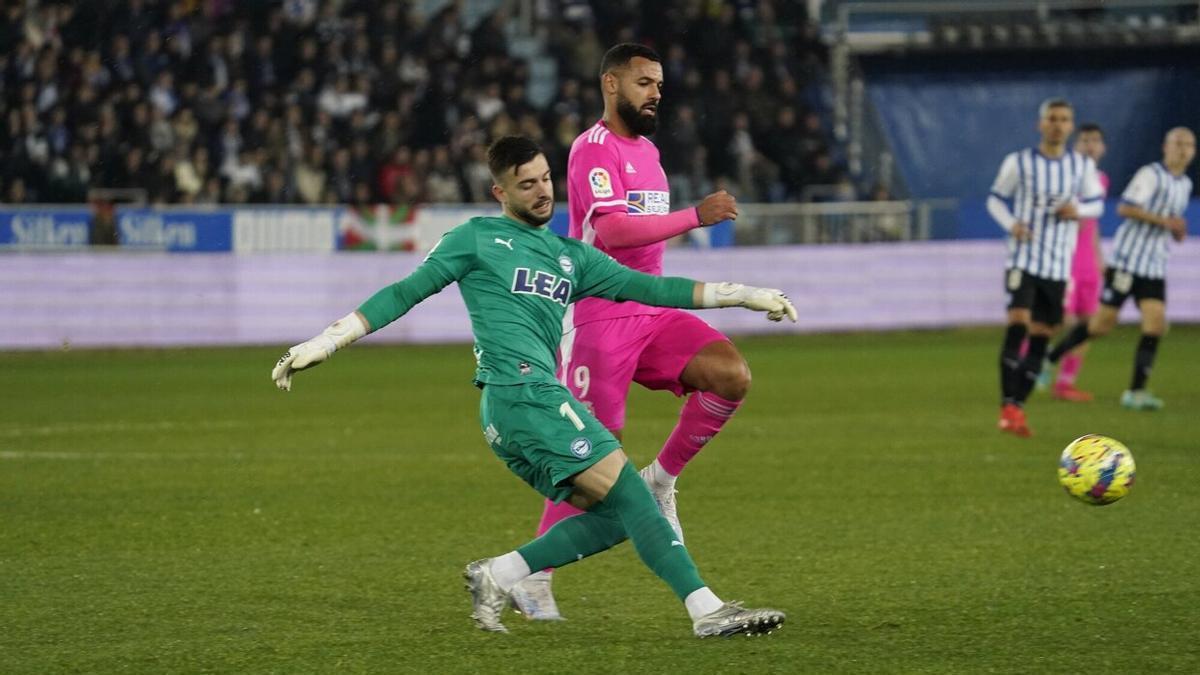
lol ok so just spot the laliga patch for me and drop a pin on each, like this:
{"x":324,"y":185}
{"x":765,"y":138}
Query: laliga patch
{"x":581,"y":447}
{"x":648,"y":202}
{"x":600,"y":182}
{"x":565,"y":263}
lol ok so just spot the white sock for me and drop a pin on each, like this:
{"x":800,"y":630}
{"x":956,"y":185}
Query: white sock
{"x":508,"y":569}
{"x":702,"y":602}
{"x":659,"y":475}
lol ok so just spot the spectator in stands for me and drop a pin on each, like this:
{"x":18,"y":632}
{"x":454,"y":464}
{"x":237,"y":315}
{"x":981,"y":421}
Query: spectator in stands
{"x":244,"y":172}
{"x":169,"y":97}
{"x":786,"y":149}
{"x":442,"y":182}
{"x":477,"y":179}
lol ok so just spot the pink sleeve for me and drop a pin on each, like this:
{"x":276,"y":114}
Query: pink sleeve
{"x":621,"y":230}
{"x":595,"y":179}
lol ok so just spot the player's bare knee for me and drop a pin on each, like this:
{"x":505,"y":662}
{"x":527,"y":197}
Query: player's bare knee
{"x":1018,"y":316}
{"x":593,"y":483}
{"x":727,"y":377}
{"x":1154,"y":328}
{"x":1038,"y":329}
{"x":1100,"y":325}
{"x":735,"y":382}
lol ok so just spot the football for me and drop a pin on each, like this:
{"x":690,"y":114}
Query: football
{"x":1096,"y":469}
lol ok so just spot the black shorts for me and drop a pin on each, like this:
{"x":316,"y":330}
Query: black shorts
{"x":1043,"y":297}
{"x":1119,"y":284}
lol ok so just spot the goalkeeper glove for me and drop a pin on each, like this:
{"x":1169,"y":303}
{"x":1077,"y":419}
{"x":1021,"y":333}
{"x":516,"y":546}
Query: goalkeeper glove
{"x":769,"y":300}
{"x":307,"y":354}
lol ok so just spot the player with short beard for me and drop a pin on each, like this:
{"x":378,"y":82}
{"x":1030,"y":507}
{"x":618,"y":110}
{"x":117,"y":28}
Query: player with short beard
{"x":620,"y":202}
{"x":517,"y":279}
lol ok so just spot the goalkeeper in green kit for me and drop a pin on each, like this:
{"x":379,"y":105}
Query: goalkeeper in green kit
{"x":517,"y":278}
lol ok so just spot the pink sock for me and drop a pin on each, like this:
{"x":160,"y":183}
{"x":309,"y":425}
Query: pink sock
{"x":1071,"y":364}
{"x":701,"y":418}
{"x":554,"y":513}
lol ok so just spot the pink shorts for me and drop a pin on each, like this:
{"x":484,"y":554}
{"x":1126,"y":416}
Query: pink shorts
{"x":601,"y":358}
{"x":1083,"y":296}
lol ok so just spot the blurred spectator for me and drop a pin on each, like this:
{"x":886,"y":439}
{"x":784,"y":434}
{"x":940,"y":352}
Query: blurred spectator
{"x":477,"y":178}
{"x":442,"y":185}
{"x":309,"y":175}
{"x":316,"y":102}
{"x":244,"y":172}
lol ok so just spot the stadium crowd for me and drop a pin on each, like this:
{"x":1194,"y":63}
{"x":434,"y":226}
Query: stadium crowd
{"x":357,"y":102}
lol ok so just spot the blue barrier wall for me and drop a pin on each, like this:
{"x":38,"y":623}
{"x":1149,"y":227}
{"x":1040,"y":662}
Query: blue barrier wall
{"x":45,"y":227}
{"x":950,"y":121}
{"x":254,"y":229}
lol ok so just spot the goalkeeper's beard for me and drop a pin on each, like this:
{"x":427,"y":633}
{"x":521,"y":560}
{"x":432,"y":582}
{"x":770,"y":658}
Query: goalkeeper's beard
{"x":528,"y":216}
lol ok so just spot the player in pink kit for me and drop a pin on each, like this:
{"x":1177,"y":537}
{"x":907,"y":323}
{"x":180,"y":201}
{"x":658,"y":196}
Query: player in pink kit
{"x":1083,"y":291}
{"x":619,"y":201}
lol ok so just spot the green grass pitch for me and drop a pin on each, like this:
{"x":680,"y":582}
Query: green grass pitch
{"x":170,"y":511}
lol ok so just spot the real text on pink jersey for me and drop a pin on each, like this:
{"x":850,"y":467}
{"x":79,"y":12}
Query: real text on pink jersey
{"x":607,"y":173}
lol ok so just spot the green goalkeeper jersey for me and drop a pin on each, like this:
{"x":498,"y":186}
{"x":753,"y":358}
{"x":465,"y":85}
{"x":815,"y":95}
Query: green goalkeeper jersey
{"x":517,"y":281}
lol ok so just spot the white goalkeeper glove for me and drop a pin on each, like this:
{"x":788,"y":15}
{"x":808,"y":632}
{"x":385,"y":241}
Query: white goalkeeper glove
{"x":769,"y":300}
{"x":307,"y":354}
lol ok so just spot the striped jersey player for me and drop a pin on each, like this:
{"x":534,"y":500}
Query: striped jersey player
{"x":1037,"y":187}
{"x":1140,"y":247}
{"x":1083,"y":290}
{"x":1153,"y":206}
{"x":1038,"y":197}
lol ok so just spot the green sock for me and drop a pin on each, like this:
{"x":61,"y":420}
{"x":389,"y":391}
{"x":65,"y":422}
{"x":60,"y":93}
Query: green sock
{"x":572,"y":539}
{"x":628,"y":508}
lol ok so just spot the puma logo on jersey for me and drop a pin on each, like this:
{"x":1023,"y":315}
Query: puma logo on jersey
{"x":504,"y":242}
{"x":544,"y":284}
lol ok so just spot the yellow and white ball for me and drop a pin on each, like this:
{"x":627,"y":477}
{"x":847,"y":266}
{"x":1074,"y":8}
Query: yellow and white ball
{"x":1096,"y":469}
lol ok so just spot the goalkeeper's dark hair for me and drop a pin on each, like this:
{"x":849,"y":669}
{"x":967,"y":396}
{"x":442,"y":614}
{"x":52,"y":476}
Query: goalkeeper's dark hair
{"x":620,"y":55}
{"x":1091,"y":127}
{"x":511,"y":152}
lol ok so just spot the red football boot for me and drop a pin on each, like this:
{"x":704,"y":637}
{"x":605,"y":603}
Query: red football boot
{"x":1012,"y":420}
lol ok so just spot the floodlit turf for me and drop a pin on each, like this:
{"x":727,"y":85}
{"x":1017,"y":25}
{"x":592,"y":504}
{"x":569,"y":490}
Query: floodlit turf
{"x":170,"y":511}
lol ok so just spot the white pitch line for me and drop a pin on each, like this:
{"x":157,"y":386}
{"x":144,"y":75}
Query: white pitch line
{"x":57,"y":454}
{"x":120,"y":427}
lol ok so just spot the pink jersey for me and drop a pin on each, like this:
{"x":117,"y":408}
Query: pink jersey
{"x":1085,"y":265}
{"x":610,"y":174}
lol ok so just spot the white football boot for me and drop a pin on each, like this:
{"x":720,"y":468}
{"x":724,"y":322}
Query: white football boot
{"x":733,"y":619}
{"x":533,"y":597}
{"x":664,"y":497}
{"x":487,"y":598}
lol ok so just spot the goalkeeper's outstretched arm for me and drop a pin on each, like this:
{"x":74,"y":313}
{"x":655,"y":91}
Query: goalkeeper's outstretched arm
{"x":447,"y":262}
{"x":387,"y":305}
{"x":339,"y":334}
{"x":604,"y":277}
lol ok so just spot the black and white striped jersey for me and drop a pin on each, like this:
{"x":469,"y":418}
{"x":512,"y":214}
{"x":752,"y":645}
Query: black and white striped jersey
{"x":1034,"y":187}
{"x":1141,"y":247}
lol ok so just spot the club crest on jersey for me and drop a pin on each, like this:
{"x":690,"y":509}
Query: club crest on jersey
{"x":565,"y":263}
{"x":581,"y":447}
{"x":544,"y":284}
{"x":600,"y":182}
{"x":648,"y":202}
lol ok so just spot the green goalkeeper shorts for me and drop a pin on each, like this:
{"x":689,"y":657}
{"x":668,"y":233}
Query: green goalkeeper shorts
{"x":543,"y":434}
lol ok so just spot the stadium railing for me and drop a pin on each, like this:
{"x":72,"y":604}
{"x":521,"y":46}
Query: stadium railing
{"x":841,"y":222}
